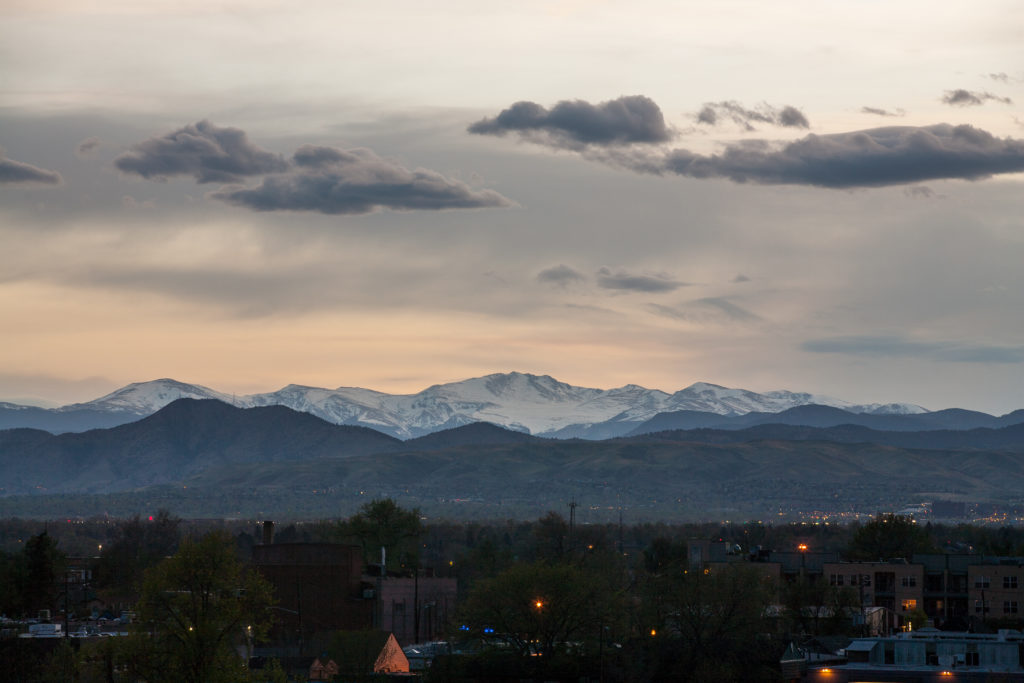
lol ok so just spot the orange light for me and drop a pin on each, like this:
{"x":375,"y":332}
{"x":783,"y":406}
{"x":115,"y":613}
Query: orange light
{"x":538,"y":604}
{"x":826,"y":671}
{"x":654,"y":632}
{"x":946,"y":673}
{"x":803,"y":548}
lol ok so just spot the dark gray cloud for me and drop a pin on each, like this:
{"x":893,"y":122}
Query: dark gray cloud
{"x":968,"y":98}
{"x":1001,"y":77}
{"x":87,"y":146}
{"x":560,"y":275}
{"x":575,"y":124}
{"x":207,"y":152}
{"x":869,"y":158}
{"x":18,"y":172}
{"x":707,"y":310}
{"x":314,"y":156}
{"x":623,"y":281}
{"x":877,"y":111}
{"x":898,"y":347}
{"x":876,"y":157}
{"x":712,"y":113}
{"x":740,"y":277}
{"x":333,"y":181}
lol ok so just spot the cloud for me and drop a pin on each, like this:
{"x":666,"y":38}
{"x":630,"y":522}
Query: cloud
{"x":560,"y":275}
{"x":706,"y":310}
{"x":898,"y":347}
{"x":623,"y":281}
{"x":19,"y":173}
{"x":87,"y":146}
{"x":869,"y":158}
{"x":921,"y":192}
{"x":968,"y":98}
{"x":786,"y":116}
{"x":1001,"y":77}
{"x":881,"y":112}
{"x":207,"y":152}
{"x":876,"y":157}
{"x":357,"y":181}
{"x":574,"y":124}
{"x":740,"y":277}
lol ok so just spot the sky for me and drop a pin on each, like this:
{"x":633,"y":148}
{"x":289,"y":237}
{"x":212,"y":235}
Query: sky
{"x":813,"y":195}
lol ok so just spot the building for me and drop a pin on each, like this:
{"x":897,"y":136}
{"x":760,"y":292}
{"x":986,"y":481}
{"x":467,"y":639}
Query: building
{"x":318,"y":587}
{"x":896,"y":585}
{"x":953,"y":591}
{"x":996,"y":589}
{"x":925,"y":656}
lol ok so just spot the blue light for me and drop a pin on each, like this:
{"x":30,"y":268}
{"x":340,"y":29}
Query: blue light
{"x":488,"y":630}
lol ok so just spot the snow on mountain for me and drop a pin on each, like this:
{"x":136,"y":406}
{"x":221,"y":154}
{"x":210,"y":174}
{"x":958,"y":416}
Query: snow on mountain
{"x":712,"y":398}
{"x":888,"y":409}
{"x":537,"y":404}
{"x":145,"y":398}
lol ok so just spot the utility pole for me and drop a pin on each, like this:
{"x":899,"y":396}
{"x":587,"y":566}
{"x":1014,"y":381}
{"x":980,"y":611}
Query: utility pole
{"x":416,"y":601}
{"x":379,"y":612}
{"x":572,"y":524}
{"x":622,"y":543}
{"x":66,"y":603}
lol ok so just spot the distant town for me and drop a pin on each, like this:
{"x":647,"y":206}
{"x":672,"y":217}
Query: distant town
{"x":387,"y":593}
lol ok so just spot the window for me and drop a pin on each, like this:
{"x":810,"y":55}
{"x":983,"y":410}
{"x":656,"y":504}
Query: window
{"x":971,"y":658}
{"x":978,"y":606}
{"x":981,"y":582}
{"x":909,"y":581}
{"x":1009,"y":582}
{"x":909,"y":605}
{"x":1010,"y":607}
{"x":835,"y":580}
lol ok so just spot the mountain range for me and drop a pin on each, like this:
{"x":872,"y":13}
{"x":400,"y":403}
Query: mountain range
{"x":533,"y":404}
{"x":206,"y":457}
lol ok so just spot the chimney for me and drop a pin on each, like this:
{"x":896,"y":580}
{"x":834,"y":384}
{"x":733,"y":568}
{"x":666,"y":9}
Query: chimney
{"x":268,"y":532}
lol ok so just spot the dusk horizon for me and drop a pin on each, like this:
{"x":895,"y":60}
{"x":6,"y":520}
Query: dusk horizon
{"x":249,"y":195}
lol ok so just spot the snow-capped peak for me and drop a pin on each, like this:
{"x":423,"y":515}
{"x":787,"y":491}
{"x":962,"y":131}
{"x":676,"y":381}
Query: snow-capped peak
{"x":535,"y":403}
{"x":144,"y":398}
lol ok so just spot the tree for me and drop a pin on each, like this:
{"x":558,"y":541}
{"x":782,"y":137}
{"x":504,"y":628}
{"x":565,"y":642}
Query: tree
{"x":138,"y":546}
{"x":540,"y":608}
{"x":889,"y":536}
{"x":381,"y":523}
{"x":706,"y":625}
{"x":198,"y":606}
{"x":815,"y":608}
{"x":44,"y":566}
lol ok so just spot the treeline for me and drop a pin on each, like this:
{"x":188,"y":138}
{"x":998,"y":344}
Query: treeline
{"x":442,"y":542}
